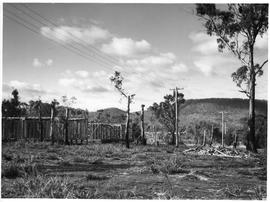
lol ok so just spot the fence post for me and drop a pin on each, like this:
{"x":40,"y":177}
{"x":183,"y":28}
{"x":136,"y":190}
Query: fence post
{"x":22,"y":127}
{"x":66,"y":126}
{"x":3,"y":129}
{"x":40,"y":122}
{"x":51,"y":124}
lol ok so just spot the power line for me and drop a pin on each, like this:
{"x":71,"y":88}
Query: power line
{"x":113,"y":60}
{"x":71,"y":47}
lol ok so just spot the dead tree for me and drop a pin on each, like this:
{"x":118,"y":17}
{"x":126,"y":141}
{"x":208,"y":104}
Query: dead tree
{"x":117,"y":80}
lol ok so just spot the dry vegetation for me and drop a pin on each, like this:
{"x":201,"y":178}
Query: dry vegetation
{"x":110,"y":171}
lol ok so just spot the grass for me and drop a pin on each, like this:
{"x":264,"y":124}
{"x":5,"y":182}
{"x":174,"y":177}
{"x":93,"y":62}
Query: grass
{"x":110,"y":171}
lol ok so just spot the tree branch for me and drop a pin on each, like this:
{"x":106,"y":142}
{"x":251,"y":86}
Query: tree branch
{"x":236,"y":53}
{"x":259,"y":69}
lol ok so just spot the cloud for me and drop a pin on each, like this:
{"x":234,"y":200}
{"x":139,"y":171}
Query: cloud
{"x":126,"y":47}
{"x":86,"y":83}
{"x":49,"y":62}
{"x":205,"y":68}
{"x":27,"y":90}
{"x":100,"y":74}
{"x":180,"y":67}
{"x":203,"y":43}
{"x":68,"y":34}
{"x":37,"y":63}
{"x":95,"y":89}
{"x":66,"y":81}
{"x":262,"y":42}
{"x":82,"y":73}
{"x":162,"y":59}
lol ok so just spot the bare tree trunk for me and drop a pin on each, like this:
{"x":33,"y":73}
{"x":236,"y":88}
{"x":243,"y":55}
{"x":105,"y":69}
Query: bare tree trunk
{"x":142,"y":126}
{"x":40,"y":123}
{"x":66,"y":126}
{"x":127,"y":124}
{"x":51,"y":125}
{"x":251,"y":142}
{"x":212,"y":135}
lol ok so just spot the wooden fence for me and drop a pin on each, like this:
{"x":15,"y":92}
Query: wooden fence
{"x":14,"y":128}
{"x":106,"y":131}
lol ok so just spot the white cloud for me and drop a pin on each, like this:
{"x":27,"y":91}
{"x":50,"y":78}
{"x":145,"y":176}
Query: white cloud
{"x":36,"y":63}
{"x":203,"y":43}
{"x":205,"y":68}
{"x":180,"y":67}
{"x":17,"y":84}
{"x":66,"y":81}
{"x":125,"y":47}
{"x":84,"y":82}
{"x":26,"y":90}
{"x":82,"y":73}
{"x":100,"y":74}
{"x":154,"y":60}
{"x":68,"y":34}
{"x":49,"y":62}
{"x":262,"y":42}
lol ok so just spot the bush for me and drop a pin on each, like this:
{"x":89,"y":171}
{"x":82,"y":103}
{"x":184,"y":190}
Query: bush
{"x":11,"y":172}
{"x":95,"y":177}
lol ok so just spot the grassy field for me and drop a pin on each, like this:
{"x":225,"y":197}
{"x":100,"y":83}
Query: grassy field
{"x":110,"y":171}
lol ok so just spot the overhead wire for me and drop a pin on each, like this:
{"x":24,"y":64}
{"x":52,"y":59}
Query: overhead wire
{"x":70,"y":47}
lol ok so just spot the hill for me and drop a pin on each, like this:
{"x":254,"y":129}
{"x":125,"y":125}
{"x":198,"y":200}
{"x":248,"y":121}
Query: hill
{"x":235,"y":111}
{"x":112,"y":115}
{"x":193,"y":111}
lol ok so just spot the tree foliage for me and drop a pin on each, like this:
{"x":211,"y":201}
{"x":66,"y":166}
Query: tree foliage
{"x":237,"y":29}
{"x":13,"y":107}
{"x":165,"y":112}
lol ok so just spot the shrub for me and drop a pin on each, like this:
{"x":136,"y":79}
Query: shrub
{"x":13,"y":171}
{"x":95,"y":177}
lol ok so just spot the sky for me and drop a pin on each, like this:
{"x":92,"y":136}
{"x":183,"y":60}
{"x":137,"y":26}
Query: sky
{"x":54,"y":50}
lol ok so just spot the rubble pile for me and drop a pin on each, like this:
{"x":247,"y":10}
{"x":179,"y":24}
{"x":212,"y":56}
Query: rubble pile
{"x":218,"y":151}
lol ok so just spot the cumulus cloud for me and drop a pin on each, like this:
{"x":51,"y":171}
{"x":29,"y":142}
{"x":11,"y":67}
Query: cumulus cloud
{"x":49,"y":62}
{"x":179,"y":68}
{"x":126,"y":47}
{"x":205,"y":68}
{"x":66,"y":81}
{"x":85,"y":82}
{"x":95,"y":89}
{"x":154,"y":60}
{"x":203,"y":43}
{"x":28,"y":90}
{"x":37,"y":63}
{"x":68,"y":34}
{"x":262,"y":42}
{"x":82,"y":73}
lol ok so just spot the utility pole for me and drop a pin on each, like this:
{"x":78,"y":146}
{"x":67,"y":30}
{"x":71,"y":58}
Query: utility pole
{"x":222,"y":128}
{"x":176,"y":113}
{"x":142,"y":126}
{"x":127,"y":124}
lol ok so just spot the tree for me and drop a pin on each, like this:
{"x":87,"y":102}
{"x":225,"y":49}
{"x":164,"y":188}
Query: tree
{"x":117,"y":80}
{"x":165,"y":112}
{"x":237,"y":29}
{"x":13,"y":107}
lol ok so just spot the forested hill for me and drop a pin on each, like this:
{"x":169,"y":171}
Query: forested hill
{"x":235,"y":110}
{"x":194,"y":110}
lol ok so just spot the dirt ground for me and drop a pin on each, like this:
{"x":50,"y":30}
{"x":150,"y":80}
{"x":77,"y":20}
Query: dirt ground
{"x":110,"y":171}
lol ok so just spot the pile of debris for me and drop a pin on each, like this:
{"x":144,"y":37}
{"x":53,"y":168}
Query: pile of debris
{"x":217,"y":151}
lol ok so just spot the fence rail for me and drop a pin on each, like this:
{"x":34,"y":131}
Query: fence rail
{"x":14,"y":128}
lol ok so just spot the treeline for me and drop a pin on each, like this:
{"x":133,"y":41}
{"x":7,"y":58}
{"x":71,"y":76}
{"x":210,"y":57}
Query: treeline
{"x":15,"y":108}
